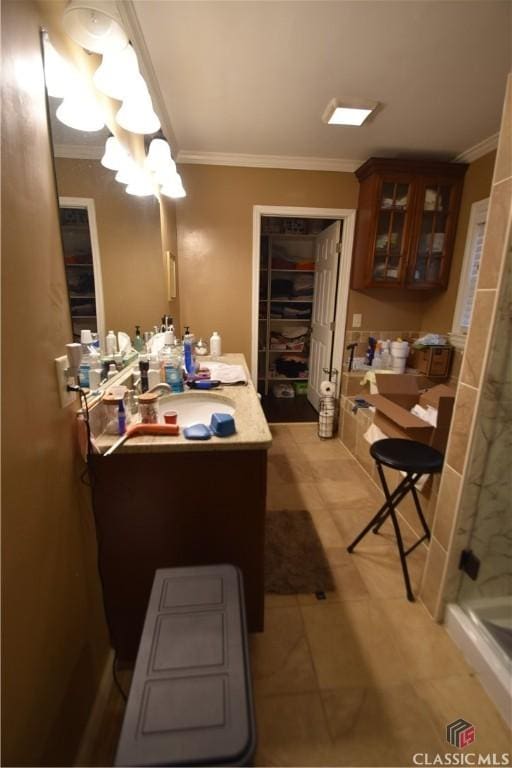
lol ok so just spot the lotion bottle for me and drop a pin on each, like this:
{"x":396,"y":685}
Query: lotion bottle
{"x":215,"y":345}
{"x":111,"y":343}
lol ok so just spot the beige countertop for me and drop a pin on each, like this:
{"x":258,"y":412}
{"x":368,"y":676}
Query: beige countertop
{"x":252,"y":432}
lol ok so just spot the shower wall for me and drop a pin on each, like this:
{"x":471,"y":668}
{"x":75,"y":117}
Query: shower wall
{"x":490,"y":478}
{"x":475,"y":474}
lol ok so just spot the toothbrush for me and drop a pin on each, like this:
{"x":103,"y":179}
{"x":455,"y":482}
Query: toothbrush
{"x":144,"y":429}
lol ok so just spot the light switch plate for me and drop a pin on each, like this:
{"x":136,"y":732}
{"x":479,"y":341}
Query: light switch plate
{"x":66,"y":398}
{"x":356,"y":321}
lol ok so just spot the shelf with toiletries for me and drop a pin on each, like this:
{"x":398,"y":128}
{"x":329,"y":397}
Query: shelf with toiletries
{"x":406,"y":223}
{"x":287,"y":283}
{"x":77,"y":245}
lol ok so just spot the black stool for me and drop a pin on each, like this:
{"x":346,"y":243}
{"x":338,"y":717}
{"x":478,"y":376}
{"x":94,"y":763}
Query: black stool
{"x":415,"y":459}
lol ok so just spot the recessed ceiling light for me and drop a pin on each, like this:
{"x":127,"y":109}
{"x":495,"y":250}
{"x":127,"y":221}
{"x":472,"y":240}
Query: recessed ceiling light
{"x":348,"y":113}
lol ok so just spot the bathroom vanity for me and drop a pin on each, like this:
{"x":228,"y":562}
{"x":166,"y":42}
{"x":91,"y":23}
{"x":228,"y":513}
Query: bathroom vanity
{"x":162,"y":502}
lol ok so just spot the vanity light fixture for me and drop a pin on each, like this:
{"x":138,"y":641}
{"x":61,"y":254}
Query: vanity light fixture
{"x":117,"y":72}
{"x":95,"y":25}
{"x":80,"y":110}
{"x":115,"y":155}
{"x":137,"y":114}
{"x":347,"y":112}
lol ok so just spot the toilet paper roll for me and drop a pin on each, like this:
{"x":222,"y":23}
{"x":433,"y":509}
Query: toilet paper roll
{"x":327,"y":388}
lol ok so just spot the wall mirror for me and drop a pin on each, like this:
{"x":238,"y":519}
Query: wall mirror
{"x":117,"y":270}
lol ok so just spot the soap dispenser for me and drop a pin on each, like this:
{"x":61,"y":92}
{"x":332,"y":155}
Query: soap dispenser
{"x":138,"y":341}
{"x":188,"y":341}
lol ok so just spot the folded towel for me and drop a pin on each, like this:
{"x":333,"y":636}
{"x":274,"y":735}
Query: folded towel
{"x":227,"y":374}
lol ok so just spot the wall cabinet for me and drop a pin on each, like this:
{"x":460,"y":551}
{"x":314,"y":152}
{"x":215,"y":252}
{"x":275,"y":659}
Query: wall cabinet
{"x":406,"y":223}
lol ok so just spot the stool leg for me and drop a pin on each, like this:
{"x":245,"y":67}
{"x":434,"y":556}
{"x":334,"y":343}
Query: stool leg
{"x":420,"y":513}
{"x":398,"y":494}
{"x":381,"y":516}
{"x":391,"y":503}
{"x":401,"y":551}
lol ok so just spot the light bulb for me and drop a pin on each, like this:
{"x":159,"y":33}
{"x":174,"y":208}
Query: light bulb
{"x":137,"y":114}
{"x":117,"y":72}
{"x":58,"y":74}
{"x":95,"y":25}
{"x":115,"y":155}
{"x":80,"y":111}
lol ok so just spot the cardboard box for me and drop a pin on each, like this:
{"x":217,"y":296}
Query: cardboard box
{"x":397,"y":395}
{"x":432,"y":361}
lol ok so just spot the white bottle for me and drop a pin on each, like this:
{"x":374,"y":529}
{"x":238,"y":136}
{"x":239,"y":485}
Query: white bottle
{"x":111,"y":343}
{"x":215,"y":345}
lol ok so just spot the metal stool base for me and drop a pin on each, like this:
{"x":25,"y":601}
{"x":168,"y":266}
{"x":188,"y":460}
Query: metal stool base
{"x":388,"y":509}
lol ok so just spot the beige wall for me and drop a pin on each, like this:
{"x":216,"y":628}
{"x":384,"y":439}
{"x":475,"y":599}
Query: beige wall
{"x":130,"y":244}
{"x":438,"y":311}
{"x":54,"y":641}
{"x":215,"y":245}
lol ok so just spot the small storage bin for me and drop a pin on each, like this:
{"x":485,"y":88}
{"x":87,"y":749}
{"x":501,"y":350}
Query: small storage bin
{"x":190,"y":701}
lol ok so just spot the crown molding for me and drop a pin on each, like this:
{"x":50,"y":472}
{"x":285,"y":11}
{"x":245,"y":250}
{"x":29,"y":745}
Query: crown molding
{"x":478,"y":150}
{"x":269,"y":161}
{"x":132,"y":27}
{"x":79,"y":151}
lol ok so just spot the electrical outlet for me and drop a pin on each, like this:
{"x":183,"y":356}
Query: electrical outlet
{"x":61,"y":366}
{"x":357,"y":321}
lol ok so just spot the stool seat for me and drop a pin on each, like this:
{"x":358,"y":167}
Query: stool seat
{"x":407,"y":455}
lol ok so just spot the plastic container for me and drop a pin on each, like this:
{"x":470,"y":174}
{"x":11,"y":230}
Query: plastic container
{"x":110,"y":405}
{"x":111,"y":343}
{"x":190,"y":700}
{"x":215,"y":345}
{"x":399,"y":355}
{"x":148,"y":409}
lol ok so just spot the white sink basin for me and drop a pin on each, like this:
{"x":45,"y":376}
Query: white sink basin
{"x":194,"y":407}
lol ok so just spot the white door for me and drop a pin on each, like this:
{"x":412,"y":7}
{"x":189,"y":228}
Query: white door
{"x":324,"y":308}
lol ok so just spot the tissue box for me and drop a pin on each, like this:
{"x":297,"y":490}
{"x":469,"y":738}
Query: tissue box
{"x":397,"y":395}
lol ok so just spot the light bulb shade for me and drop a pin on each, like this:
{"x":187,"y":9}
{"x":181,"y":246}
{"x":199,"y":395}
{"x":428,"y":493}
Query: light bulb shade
{"x":128,"y":171}
{"x":58,"y":74}
{"x":115,"y":155}
{"x":174,"y":187}
{"x":141,"y":184}
{"x":117,"y":72}
{"x":95,"y":25}
{"x":80,"y":111}
{"x":159,"y":155}
{"x":166,"y":174}
{"x":136,"y":113}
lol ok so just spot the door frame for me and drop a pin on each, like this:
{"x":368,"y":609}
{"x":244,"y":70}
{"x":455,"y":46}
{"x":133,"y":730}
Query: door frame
{"x":348,"y":218}
{"x":87,"y":203}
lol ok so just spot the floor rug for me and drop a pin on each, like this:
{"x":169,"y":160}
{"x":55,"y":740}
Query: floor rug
{"x":294,"y":557}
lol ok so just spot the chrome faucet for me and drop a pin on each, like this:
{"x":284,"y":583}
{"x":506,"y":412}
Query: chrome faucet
{"x":162,"y":386}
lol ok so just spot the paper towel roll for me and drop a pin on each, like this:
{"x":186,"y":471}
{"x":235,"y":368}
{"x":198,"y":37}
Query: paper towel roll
{"x":327,"y":388}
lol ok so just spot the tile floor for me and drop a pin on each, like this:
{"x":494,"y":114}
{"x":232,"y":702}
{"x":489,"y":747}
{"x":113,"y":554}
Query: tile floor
{"x":362,"y":678}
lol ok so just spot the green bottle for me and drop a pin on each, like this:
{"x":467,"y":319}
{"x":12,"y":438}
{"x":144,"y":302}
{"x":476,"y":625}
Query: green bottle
{"x":138,"y":341}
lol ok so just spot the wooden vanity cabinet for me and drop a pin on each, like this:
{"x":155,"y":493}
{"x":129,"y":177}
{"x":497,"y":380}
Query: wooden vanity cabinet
{"x":406,"y":223}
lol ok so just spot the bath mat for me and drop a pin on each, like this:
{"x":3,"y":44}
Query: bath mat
{"x":294,"y":557}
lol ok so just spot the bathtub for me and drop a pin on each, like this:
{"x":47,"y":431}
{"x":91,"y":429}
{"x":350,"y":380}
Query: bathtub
{"x":482,"y":629}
